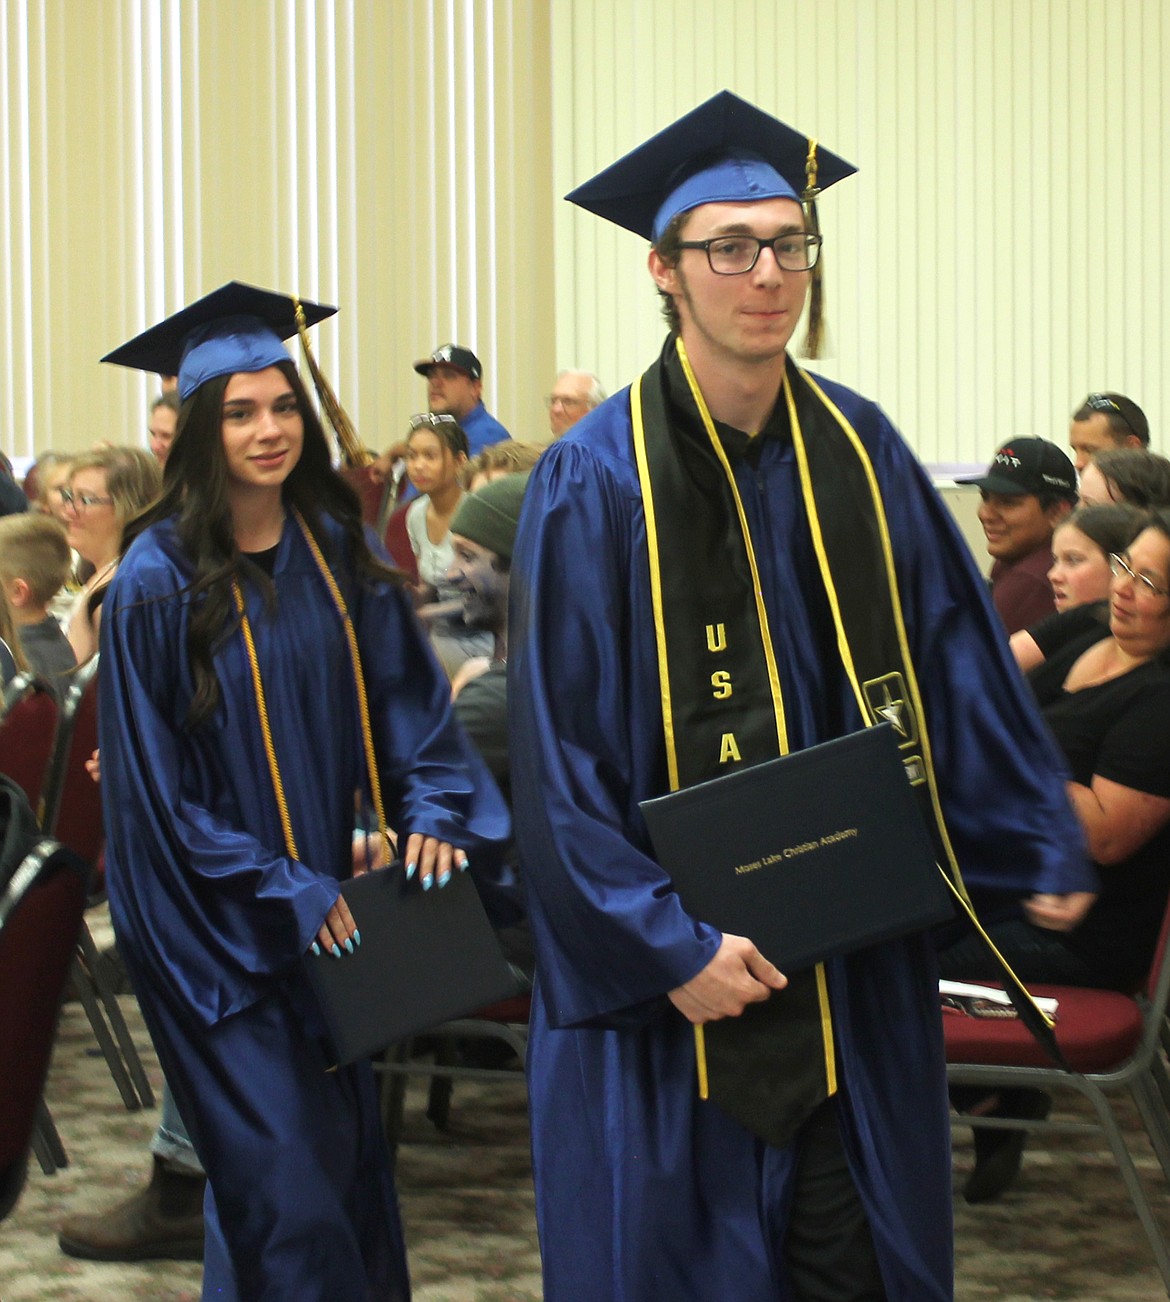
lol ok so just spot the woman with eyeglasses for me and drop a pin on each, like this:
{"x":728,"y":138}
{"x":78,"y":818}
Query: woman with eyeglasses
{"x":1080,"y":577}
{"x":106,"y":488}
{"x":436,"y":452}
{"x":1108,"y":706}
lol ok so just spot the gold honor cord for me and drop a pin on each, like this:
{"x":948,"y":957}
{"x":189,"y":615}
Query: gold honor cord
{"x":896,"y":604}
{"x":359,"y":680}
{"x":953,"y":879}
{"x":717,"y":448}
{"x":639,"y":434}
{"x":773,"y":679}
{"x":656,"y":598}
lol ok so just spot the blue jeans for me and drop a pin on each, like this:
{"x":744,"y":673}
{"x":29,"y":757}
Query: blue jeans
{"x":171,"y":1142}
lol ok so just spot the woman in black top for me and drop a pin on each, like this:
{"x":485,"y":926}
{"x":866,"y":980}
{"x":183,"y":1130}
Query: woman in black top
{"x":1109,"y":708}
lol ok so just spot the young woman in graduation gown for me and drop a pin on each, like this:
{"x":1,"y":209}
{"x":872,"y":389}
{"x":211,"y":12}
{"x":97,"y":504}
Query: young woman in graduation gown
{"x":231,"y":728}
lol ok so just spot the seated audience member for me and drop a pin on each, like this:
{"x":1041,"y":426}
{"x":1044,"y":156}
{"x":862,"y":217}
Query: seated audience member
{"x":164,"y":420}
{"x":34,"y":563}
{"x":12,"y":659}
{"x":483,"y":532}
{"x":454,"y":378}
{"x":1080,"y":578}
{"x":106,"y":488}
{"x":1028,"y":489}
{"x":49,"y":475}
{"x":1106,"y":420}
{"x":1109,"y":709}
{"x":509,"y":458}
{"x":574,"y":395}
{"x":1126,"y":475}
{"x":436,"y":451}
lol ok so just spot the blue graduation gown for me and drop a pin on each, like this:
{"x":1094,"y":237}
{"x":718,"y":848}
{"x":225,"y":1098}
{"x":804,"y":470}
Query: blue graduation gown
{"x":213,"y":917}
{"x":644,"y":1191}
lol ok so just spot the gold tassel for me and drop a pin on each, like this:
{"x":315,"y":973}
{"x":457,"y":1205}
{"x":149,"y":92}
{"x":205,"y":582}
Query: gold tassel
{"x":815,"y":330}
{"x":353,"y":451}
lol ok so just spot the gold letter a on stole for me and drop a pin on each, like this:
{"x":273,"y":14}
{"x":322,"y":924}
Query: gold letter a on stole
{"x":716,"y":637}
{"x":728,"y":750}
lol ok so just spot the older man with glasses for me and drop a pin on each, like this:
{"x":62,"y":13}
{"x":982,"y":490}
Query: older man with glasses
{"x":574,"y":395}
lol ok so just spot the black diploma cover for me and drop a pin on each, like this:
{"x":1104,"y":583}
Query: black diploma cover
{"x":425,"y":957}
{"x":817,"y":853}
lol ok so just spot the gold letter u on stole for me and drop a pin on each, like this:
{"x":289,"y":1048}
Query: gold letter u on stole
{"x":728,"y":750}
{"x":716,"y":637}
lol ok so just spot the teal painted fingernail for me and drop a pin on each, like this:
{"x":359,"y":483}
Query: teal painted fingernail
{"x":426,"y":881}
{"x":464,"y":864}
{"x":335,"y":951}
{"x":444,"y":876}
{"x":410,"y":871}
{"x":316,"y":949}
{"x":357,"y":937}
{"x":348,"y":946}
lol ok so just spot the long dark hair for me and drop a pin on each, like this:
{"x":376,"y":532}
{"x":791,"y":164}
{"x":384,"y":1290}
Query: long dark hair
{"x":195,"y":496}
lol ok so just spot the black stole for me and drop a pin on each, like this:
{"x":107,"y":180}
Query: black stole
{"x":722,"y":699}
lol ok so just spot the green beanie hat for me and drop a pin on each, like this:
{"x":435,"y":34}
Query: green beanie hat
{"x":489,"y":516}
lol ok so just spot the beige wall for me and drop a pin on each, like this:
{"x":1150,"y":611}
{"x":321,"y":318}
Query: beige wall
{"x":1000,"y":253}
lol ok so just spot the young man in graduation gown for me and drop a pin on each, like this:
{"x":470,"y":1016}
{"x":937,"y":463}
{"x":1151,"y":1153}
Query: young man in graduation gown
{"x":729,"y":560}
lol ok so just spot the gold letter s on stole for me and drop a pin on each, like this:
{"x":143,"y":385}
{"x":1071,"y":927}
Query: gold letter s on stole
{"x":716,"y":637}
{"x":721,"y":685}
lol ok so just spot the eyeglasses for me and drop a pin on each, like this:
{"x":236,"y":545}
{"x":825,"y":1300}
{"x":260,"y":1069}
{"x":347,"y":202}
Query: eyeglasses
{"x":1118,"y":566}
{"x":1102,"y":402}
{"x":732,"y":255}
{"x":432,"y":419}
{"x":83,"y":501}
{"x":556,"y":400}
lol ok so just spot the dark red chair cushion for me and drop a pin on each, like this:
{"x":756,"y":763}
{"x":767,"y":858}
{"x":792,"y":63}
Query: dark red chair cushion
{"x":1096,"y":1029}
{"x":515,"y":1009}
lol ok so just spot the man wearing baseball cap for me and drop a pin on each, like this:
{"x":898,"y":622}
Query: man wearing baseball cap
{"x":455,"y":388}
{"x":1028,"y":489}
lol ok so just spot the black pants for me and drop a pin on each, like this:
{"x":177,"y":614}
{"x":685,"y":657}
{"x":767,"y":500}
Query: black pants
{"x":828,"y":1250}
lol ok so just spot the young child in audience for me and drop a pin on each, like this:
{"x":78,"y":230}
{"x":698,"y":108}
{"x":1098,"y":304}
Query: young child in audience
{"x":34,"y":563}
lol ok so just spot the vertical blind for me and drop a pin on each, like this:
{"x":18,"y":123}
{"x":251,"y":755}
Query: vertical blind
{"x":386,"y":157}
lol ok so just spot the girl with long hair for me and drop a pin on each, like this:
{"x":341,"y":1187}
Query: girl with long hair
{"x":262,"y":677}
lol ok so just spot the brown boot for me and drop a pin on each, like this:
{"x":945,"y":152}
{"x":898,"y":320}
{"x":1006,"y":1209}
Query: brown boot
{"x":162,"y":1221}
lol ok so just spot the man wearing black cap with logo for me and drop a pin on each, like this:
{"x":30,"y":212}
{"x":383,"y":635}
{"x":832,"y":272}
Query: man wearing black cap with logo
{"x":1028,"y":489}
{"x":726,"y":561}
{"x":455,"y":388}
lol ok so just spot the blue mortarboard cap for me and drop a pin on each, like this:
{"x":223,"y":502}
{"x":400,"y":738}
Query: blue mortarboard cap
{"x":724,"y":151}
{"x":235,"y":328}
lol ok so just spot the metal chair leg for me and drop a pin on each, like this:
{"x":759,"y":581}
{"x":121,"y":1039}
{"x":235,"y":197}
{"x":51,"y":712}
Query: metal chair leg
{"x":116,"y":1020}
{"x":101,"y":1031}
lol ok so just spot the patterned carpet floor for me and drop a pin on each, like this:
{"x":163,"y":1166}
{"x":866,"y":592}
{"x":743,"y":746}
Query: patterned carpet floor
{"x":1066,"y":1231}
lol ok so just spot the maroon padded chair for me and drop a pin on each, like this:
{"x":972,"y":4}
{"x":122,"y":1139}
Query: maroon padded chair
{"x":40,"y":916}
{"x":1112,"y":1043}
{"x":28,"y":731}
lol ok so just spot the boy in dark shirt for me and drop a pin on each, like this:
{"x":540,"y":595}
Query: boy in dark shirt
{"x":34,"y":563}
